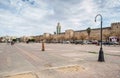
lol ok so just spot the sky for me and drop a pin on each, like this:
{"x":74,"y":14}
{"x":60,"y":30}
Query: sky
{"x":35,"y":17}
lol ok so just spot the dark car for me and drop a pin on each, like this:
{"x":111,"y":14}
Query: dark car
{"x":106,"y":43}
{"x":110,"y":43}
{"x":94,"y":42}
{"x":78,"y":42}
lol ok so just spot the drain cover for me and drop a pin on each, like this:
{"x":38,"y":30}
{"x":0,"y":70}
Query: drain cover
{"x":23,"y":75}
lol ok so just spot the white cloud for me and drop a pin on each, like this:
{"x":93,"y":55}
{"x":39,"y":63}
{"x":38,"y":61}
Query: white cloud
{"x":23,"y":18}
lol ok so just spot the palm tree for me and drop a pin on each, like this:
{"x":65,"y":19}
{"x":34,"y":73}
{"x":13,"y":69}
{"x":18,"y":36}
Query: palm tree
{"x":88,"y":31}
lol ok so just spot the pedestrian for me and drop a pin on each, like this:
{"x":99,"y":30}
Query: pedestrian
{"x":12,"y":42}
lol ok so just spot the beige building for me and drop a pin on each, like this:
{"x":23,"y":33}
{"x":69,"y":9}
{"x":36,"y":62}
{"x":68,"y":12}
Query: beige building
{"x":7,"y":38}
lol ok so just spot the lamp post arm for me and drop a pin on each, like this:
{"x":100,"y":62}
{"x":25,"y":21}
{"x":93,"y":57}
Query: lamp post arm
{"x":101,"y":26}
{"x":100,"y":16}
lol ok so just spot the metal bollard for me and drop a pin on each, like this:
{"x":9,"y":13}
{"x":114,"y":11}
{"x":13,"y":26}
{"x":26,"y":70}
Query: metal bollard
{"x":43,"y":47}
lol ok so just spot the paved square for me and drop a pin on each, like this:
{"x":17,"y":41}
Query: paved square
{"x":59,"y":60}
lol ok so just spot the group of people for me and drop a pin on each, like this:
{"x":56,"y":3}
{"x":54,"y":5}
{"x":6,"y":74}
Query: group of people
{"x":11,"y":42}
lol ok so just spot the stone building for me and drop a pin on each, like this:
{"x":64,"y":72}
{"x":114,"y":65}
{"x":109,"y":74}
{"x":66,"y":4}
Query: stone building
{"x":113,"y":30}
{"x":69,"y":34}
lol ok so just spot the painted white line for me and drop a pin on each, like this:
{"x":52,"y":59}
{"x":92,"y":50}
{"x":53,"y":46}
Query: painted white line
{"x":113,"y":51}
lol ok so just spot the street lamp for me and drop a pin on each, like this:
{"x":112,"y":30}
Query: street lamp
{"x":101,"y":54}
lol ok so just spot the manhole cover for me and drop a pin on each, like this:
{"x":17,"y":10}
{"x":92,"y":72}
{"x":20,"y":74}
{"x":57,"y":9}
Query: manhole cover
{"x":75,"y":68}
{"x":24,"y":75}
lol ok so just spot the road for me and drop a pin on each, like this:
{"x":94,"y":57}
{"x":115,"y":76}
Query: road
{"x":25,"y":58}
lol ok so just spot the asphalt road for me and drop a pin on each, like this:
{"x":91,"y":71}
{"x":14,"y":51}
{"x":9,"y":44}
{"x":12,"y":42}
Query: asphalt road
{"x":23,"y":58}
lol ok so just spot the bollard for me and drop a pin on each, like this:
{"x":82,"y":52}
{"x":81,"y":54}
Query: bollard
{"x":43,"y":47}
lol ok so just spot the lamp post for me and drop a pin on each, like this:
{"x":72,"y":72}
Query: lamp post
{"x":101,"y":54}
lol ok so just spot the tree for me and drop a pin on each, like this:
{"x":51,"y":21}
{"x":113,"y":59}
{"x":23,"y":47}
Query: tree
{"x":62,"y":38}
{"x":94,"y":37}
{"x":88,"y":31}
{"x":117,"y":34}
{"x":49,"y":39}
{"x":74,"y":37}
{"x":106,"y":36}
{"x":82,"y":36}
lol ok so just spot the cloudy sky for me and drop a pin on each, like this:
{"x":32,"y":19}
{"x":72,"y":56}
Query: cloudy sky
{"x":34,"y":17}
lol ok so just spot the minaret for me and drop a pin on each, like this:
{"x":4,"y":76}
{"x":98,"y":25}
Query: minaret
{"x":58,"y":28}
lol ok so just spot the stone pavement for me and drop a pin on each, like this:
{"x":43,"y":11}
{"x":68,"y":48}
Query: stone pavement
{"x":57,"y":61}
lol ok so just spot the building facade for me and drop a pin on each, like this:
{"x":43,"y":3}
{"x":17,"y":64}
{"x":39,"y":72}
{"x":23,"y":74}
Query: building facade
{"x":113,"y":30}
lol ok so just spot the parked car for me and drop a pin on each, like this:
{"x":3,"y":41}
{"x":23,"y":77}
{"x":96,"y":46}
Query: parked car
{"x":66,"y":42}
{"x":115,"y":43}
{"x":79,"y":42}
{"x":87,"y":42}
{"x":94,"y":42}
{"x":110,"y":43}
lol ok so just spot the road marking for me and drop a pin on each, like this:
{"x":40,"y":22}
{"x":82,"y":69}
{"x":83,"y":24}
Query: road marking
{"x":71,"y":54}
{"x":62,"y":66}
{"x":49,"y":49}
{"x":23,"y":75}
{"x":65,"y":50}
{"x":9,"y":62}
{"x":77,"y":59}
{"x":112,"y":51}
{"x":35,"y":58}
